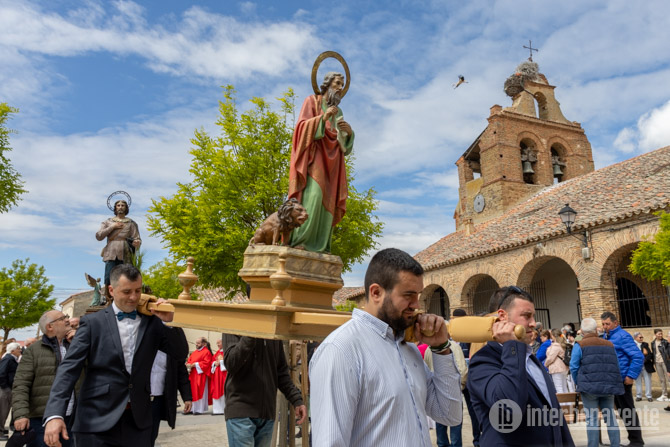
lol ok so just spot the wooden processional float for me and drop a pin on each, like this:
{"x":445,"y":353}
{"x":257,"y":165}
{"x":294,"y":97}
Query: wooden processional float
{"x":291,"y":299}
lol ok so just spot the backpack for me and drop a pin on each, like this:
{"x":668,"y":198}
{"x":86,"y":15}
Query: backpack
{"x":567,"y":355}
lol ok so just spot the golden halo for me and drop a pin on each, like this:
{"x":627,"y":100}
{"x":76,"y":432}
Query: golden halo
{"x":315,"y":68}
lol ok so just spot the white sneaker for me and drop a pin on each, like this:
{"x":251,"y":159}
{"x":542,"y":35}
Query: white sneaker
{"x":663,"y":398}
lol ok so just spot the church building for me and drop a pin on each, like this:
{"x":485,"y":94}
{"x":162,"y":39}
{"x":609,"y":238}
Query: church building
{"x":529,"y":164}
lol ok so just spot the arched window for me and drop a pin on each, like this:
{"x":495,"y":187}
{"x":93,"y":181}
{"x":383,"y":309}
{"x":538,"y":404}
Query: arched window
{"x":542,"y":110}
{"x":528,"y":161}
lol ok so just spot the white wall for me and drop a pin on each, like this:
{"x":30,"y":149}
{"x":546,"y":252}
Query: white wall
{"x":561,"y":292}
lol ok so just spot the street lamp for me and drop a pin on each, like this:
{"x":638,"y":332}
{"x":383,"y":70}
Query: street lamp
{"x":568,"y":216}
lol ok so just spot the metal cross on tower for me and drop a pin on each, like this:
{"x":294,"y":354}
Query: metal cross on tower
{"x":530,"y":49}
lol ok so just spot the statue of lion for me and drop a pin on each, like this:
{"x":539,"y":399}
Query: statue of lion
{"x":289,"y":216}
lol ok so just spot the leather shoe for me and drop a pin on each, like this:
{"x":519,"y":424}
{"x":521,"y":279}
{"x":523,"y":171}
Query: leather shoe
{"x":637,"y":399}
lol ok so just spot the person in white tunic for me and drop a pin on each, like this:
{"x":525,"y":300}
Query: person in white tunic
{"x":218,"y":380}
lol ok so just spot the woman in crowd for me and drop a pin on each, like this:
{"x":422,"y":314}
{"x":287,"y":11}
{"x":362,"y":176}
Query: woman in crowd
{"x":545,"y":337}
{"x":554,"y":362}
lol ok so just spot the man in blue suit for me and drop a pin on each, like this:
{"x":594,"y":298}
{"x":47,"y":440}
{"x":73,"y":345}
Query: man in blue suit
{"x":117,"y":346}
{"x":512,"y":394}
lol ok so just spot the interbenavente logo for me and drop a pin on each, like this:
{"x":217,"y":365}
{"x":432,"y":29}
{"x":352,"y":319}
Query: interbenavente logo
{"x":505,"y":416}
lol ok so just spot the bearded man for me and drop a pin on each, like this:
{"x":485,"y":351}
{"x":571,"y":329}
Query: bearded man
{"x":369,"y":387}
{"x":119,"y":231}
{"x":317,"y":176}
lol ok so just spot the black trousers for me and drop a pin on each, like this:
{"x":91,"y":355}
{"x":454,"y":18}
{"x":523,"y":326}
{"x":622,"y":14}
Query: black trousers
{"x":123,"y":434}
{"x":476,"y":430}
{"x":157,"y":414}
{"x":626,"y":407}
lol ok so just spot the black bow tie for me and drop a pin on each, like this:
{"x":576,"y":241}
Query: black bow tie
{"x":121,"y":315}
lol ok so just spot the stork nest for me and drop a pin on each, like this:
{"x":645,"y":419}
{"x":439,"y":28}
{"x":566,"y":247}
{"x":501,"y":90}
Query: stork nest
{"x":526,"y":71}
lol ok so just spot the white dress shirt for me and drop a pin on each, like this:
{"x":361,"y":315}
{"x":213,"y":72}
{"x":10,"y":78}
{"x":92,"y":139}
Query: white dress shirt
{"x":70,"y":404}
{"x":535,"y":372}
{"x":370,"y":388}
{"x":158,"y":371}
{"x":128,"y":333}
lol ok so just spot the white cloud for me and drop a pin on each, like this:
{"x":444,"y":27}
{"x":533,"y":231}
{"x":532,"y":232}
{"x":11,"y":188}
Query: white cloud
{"x":202,"y":43}
{"x":654,"y":128}
{"x":651,"y":132}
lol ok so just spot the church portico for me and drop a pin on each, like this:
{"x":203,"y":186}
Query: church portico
{"x":555,"y":288}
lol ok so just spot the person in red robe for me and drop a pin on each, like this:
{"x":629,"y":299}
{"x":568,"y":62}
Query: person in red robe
{"x":218,"y":381}
{"x":317,"y":175}
{"x":199,"y":364}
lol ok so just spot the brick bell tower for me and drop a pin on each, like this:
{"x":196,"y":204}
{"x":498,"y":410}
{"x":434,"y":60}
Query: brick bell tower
{"x":525,"y":147}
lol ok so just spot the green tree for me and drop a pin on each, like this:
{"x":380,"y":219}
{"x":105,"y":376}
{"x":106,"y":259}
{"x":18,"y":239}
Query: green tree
{"x":11,"y":186}
{"x":163,"y":279}
{"x":24,"y":295}
{"x":347,"y":306}
{"x":240,"y":178}
{"x":651,"y":259}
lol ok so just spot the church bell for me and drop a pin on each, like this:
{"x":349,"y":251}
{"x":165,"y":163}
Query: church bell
{"x":557,"y":170}
{"x":528,"y":168}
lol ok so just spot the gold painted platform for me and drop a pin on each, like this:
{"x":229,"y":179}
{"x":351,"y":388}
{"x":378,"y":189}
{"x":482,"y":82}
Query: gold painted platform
{"x":299,"y":277}
{"x":291,"y":297}
{"x":258,"y":320}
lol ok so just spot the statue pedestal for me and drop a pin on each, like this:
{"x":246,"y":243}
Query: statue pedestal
{"x":291,"y":297}
{"x":94,"y":309}
{"x":306,"y":279}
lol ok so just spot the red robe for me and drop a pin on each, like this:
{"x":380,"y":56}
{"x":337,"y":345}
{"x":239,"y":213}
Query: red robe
{"x":320,"y":159}
{"x":198,"y":381}
{"x":218,"y":378}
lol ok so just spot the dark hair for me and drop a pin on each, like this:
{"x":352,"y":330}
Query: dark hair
{"x":656,"y":331}
{"x":328,"y":79}
{"x":385,"y":266}
{"x":127,"y":270}
{"x":503,"y":297}
{"x":125,"y":203}
{"x":546,"y":334}
{"x":607,"y":315}
{"x":459,"y":313}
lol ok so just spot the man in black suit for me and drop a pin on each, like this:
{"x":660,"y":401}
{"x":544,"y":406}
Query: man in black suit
{"x":512,"y":394}
{"x":117,"y":346}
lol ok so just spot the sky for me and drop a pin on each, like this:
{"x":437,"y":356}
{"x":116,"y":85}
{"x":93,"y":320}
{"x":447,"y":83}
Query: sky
{"x":111,"y":92}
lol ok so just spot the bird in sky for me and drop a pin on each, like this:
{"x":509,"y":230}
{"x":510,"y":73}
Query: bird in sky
{"x":461,"y":80}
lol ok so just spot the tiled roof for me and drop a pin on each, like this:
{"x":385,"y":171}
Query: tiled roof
{"x":347,"y":293}
{"x":219,"y":294}
{"x":616,"y":192}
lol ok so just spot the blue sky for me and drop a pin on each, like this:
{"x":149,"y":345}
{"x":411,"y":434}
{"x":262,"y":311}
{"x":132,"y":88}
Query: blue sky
{"x":110,"y":93}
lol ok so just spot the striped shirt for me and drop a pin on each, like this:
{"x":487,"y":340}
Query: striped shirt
{"x":369,"y":388}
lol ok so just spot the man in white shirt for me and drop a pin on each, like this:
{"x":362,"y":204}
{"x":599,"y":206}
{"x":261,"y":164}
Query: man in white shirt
{"x":167,"y":375}
{"x":371,"y":388}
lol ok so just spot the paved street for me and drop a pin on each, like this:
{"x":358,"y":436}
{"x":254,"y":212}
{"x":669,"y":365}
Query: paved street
{"x":210,"y":431}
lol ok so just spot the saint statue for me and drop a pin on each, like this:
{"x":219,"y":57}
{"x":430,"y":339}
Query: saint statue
{"x":123,"y":238}
{"x":317,"y":176}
